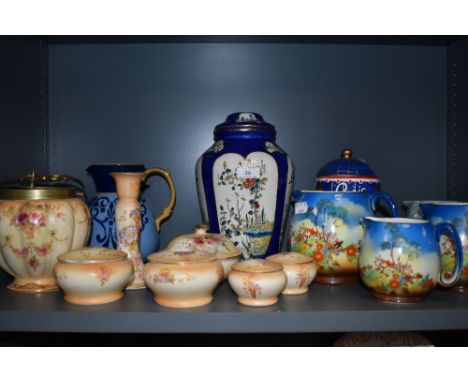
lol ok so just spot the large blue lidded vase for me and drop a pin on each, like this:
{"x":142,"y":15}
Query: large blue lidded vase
{"x":102,"y":207}
{"x":244,"y":183}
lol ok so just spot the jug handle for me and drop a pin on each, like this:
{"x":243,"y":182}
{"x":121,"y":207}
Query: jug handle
{"x":374,"y":199}
{"x":167,"y":211}
{"x":449,"y":230}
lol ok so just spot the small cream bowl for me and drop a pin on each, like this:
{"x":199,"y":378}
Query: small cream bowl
{"x":92,"y":275}
{"x":257,"y":282}
{"x":300,"y":271}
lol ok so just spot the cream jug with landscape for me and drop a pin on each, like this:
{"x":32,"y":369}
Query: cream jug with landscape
{"x":400,"y":259}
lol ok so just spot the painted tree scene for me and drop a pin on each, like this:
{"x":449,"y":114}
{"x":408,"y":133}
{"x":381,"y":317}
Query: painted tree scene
{"x":329,"y":232}
{"x":242,"y":213}
{"x":398,"y":264}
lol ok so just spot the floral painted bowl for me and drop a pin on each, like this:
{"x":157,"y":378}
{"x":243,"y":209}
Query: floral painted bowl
{"x":183,"y":279}
{"x":257,"y":282}
{"x":93,"y":275}
{"x":202,"y":241}
{"x":300,"y":271}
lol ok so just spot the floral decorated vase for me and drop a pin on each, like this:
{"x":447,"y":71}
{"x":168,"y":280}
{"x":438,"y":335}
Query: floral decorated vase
{"x":347,"y":174}
{"x":244,"y":183}
{"x":92,"y":276}
{"x":326,"y":226}
{"x":37,"y":224}
{"x":257,"y":282}
{"x":183,"y":279}
{"x":400,"y":259}
{"x":102,"y":206}
{"x":300,"y":271}
{"x":455,"y":213}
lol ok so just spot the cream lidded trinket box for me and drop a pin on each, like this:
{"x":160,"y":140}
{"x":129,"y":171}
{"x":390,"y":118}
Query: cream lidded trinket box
{"x":300,"y":271}
{"x":183,"y":279}
{"x":257,"y":282}
{"x":202,"y":241}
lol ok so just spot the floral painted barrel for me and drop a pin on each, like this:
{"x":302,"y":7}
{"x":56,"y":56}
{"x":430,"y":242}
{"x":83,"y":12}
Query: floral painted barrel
{"x":326,"y":225}
{"x":37,"y":224}
{"x":244,"y":183}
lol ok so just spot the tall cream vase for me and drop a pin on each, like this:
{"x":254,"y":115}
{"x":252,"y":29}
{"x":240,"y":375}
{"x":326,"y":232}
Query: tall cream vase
{"x":128,"y":221}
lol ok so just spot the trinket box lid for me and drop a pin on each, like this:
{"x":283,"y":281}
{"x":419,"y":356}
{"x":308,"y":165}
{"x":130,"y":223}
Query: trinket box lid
{"x":202,"y":241}
{"x":245,"y":122}
{"x":92,"y":255}
{"x":290,"y":258}
{"x":256,"y":266}
{"x":181,"y":258}
{"x":347,"y":166}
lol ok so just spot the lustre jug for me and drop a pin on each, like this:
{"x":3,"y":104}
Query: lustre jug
{"x":455,"y":213}
{"x":400,"y":260}
{"x":103,"y":233}
{"x":244,"y":184}
{"x":326,"y":226}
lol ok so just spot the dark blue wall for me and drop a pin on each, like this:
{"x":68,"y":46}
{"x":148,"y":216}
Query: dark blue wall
{"x":158,"y":104}
{"x":22,"y":106}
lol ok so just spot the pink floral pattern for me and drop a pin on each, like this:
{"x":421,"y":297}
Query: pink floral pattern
{"x":104,"y":274}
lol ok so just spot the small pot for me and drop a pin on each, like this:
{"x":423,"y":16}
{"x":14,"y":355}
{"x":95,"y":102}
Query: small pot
{"x":93,"y":275}
{"x":202,"y":241}
{"x":300,"y":271}
{"x":182,"y":279}
{"x":257,"y":282}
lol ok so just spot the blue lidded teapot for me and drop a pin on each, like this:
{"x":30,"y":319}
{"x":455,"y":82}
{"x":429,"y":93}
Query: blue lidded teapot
{"x":347,"y":174}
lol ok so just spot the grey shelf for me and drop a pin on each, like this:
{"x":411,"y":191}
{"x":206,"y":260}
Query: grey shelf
{"x":323,"y":309}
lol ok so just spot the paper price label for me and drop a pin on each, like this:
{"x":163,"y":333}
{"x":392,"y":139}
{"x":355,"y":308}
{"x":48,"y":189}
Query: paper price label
{"x":248,"y":172}
{"x":300,"y":207}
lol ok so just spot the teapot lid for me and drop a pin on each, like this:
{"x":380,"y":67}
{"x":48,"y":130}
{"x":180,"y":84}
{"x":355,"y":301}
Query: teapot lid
{"x":245,"y":123}
{"x":38,"y":187}
{"x":202,"y":241}
{"x":347,"y":166}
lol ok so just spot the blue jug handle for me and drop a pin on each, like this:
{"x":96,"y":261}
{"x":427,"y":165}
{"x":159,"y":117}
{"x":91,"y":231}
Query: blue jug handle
{"x":295,"y":196}
{"x":451,"y":231}
{"x":374,"y":200}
